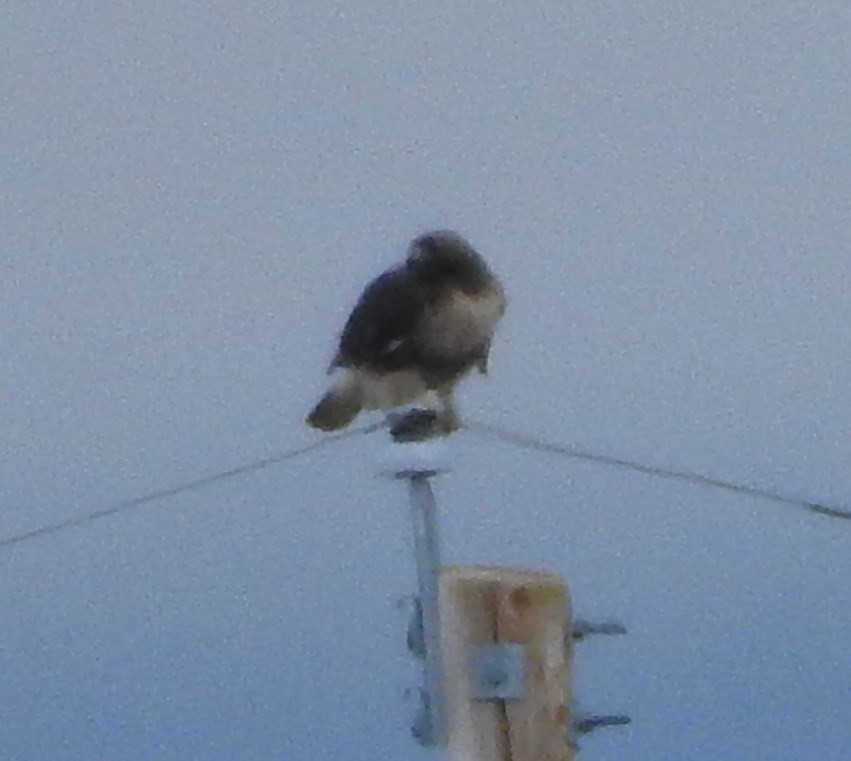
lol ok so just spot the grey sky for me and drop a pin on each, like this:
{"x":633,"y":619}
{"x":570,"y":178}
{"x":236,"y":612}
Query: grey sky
{"x":190,"y":200}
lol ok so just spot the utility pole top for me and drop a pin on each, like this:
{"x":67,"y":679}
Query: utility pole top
{"x":418,"y":449}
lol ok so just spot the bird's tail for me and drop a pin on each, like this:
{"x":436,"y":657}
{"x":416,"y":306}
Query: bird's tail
{"x":338,"y":407}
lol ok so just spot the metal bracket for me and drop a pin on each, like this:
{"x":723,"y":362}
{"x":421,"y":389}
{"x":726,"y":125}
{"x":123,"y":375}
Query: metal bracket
{"x":584,"y":724}
{"x":415,"y":638}
{"x":498,"y":672}
{"x":581,"y":629}
{"x":422,"y":728}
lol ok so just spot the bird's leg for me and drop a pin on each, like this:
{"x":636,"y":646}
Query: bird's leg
{"x":482,"y":360}
{"x":447,"y":416}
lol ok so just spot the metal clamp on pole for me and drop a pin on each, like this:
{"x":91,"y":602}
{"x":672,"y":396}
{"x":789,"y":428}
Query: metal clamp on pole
{"x":499,"y":672}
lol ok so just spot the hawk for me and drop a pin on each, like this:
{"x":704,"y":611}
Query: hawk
{"x":418,"y":328}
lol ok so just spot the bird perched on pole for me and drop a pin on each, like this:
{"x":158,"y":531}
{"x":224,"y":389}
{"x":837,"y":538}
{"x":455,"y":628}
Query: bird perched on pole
{"x":416,"y":329}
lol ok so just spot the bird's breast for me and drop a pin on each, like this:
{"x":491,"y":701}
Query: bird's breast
{"x":461,"y":323}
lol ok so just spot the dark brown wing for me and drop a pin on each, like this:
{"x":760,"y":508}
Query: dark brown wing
{"x":381,"y":332}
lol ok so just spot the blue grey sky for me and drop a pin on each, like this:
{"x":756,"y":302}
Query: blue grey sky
{"x":191,"y":198}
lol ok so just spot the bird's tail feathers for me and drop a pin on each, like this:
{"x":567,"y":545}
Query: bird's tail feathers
{"x":338,"y":407}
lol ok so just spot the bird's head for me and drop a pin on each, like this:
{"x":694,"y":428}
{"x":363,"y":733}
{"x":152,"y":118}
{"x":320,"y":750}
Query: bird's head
{"x":443,"y":257}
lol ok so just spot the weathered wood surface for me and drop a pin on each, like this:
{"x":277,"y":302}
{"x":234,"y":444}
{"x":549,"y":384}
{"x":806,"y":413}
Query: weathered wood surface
{"x":481,"y":605}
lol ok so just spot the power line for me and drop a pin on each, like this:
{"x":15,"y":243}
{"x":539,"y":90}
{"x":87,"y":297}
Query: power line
{"x":486,"y":430}
{"x":185,"y":487}
{"x":531,"y":443}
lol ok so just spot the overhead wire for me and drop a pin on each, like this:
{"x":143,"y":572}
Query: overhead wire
{"x":532,"y":443}
{"x":185,"y":487}
{"x":485,"y":430}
